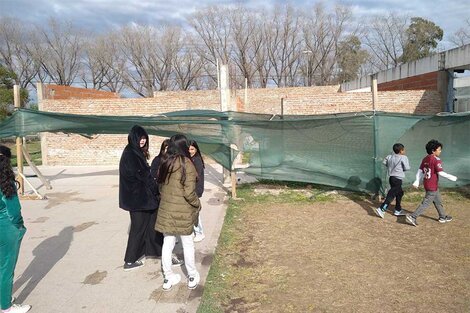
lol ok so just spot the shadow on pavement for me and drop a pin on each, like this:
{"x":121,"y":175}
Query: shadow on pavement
{"x":46,"y":255}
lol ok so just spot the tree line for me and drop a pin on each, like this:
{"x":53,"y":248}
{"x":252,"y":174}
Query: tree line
{"x":281,"y":46}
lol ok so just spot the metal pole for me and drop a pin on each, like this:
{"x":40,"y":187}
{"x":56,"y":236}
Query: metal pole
{"x":19,"y":143}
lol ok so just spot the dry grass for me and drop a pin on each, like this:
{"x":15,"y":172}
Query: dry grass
{"x":292,"y":254}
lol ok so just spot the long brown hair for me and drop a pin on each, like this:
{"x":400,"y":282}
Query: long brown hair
{"x":178,"y":151}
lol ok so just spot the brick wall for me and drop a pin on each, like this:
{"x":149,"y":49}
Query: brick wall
{"x":59,"y":92}
{"x":428,"y":81}
{"x":106,"y":149}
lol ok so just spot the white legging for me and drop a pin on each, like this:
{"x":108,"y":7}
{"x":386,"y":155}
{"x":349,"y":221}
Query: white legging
{"x":188,"y":250}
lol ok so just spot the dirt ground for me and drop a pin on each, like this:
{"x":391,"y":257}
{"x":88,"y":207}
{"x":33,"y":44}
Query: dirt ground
{"x":338,"y":256}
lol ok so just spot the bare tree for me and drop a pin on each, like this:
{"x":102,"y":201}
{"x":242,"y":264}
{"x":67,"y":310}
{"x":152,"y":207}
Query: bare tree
{"x":103,"y":64}
{"x":462,"y":35}
{"x":244,"y":24}
{"x":385,"y":38}
{"x":15,"y":51}
{"x":284,"y":43}
{"x":212,"y":25}
{"x":169,"y":43}
{"x":259,"y":42}
{"x":59,"y":50}
{"x":150,"y":54}
{"x":137,"y":45}
{"x":188,"y":65}
{"x":323,"y":32}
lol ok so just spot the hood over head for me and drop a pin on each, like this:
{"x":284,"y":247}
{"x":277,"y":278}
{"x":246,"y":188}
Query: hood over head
{"x":135,"y":134}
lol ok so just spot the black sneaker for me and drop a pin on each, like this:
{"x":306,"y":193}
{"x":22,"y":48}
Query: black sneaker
{"x":133,"y":266}
{"x":445,"y":219}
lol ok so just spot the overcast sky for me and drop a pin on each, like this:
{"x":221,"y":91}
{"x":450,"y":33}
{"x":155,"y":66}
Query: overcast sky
{"x":104,"y":14}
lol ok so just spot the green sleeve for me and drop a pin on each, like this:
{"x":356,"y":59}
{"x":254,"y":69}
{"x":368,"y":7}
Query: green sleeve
{"x":13,"y":208}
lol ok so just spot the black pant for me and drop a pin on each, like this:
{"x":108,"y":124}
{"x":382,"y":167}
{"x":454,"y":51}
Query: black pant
{"x":143,"y":238}
{"x":395,"y":192}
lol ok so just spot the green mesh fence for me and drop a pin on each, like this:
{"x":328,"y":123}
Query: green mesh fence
{"x":341,"y":150}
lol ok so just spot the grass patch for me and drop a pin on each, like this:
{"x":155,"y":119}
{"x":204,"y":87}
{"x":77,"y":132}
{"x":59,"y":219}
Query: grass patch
{"x":34,"y":148}
{"x":217,"y":287}
{"x":252,"y":269}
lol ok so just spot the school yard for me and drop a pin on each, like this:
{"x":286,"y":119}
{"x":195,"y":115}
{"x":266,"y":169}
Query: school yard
{"x":297,"y":249}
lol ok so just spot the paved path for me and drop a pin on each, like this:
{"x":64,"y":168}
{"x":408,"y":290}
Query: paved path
{"x":72,"y":254}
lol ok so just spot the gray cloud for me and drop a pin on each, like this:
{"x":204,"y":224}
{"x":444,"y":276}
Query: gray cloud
{"x":104,"y":14}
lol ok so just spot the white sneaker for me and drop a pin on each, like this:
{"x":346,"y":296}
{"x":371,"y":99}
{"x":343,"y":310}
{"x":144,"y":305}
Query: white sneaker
{"x":199,"y":237}
{"x":193,"y":281}
{"x":170,"y":282}
{"x":380,"y":213}
{"x":19,"y":308}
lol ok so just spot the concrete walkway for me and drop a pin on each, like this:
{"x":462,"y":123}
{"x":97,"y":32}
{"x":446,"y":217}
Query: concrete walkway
{"x":72,"y":255}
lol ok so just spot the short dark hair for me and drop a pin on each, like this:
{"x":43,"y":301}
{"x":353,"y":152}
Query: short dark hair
{"x":398,"y":147}
{"x":432,"y":146}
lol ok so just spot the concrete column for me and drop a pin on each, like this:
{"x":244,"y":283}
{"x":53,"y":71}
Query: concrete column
{"x":224,"y":89}
{"x":375,"y":98}
{"x":445,"y":86}
{"x":41,"y":94}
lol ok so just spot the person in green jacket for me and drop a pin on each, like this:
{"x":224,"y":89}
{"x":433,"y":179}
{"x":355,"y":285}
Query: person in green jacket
{"x":12,"y":232}
{"x":179,"y":209}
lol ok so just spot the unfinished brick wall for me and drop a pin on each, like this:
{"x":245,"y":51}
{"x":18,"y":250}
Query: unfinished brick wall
{"x":59,"y":92}
{"x":60,"y":149}
{"x":428,"y":81}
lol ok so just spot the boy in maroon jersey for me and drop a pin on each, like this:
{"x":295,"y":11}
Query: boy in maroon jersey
{"x":430,"y":170}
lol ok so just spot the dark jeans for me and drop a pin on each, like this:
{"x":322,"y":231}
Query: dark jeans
{"x":143,"y":238}
{"x":395,"y":192}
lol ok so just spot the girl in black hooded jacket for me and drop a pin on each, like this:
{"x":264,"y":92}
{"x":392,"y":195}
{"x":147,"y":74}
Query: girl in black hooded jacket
{"x":138,"y":194}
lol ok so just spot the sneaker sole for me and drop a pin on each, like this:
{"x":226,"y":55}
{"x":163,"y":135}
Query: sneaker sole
{"x":192,"y":288}
{"x":378,"y":214}
{"x":442,"y":222}
{"x":131,"y":269}
{"x":410,"y":221}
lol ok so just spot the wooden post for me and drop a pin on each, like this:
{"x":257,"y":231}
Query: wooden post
{"x":282,"y":107}
{"x":19,"y":143}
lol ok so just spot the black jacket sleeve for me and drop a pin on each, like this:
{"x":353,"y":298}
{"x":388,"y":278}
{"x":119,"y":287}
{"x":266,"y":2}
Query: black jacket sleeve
{"x":200,"y":176}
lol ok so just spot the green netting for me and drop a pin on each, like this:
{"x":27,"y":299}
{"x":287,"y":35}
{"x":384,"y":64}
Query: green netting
{"x":341,"y":150}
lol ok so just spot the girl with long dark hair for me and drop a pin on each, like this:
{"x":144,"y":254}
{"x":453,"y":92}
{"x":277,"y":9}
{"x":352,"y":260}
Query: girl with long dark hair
{"x":179,"y":209}
{"x":12,"y":232}
{"x":138,"y":194}
{"x":198,"y":162}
